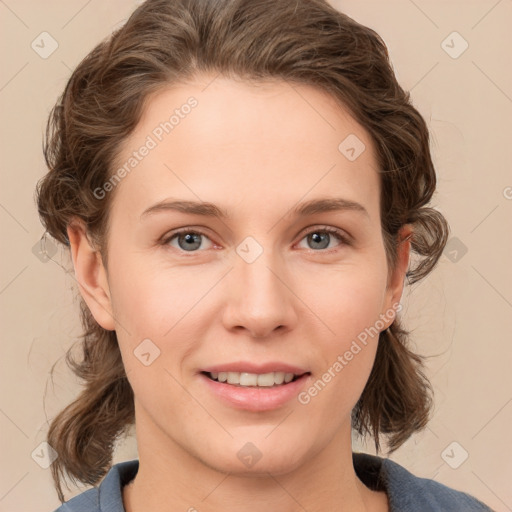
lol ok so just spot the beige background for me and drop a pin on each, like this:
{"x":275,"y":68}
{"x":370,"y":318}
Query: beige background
{"x":461,"y":316}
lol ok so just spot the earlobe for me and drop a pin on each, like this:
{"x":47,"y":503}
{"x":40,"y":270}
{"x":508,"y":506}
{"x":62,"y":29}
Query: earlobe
{"x":91,"y":275}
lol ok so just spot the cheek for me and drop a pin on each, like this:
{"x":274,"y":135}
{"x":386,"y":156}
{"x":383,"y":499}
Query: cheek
{"x":153,"y":316}
{"x":349,"y":307}
{"x":162,"y":305}
{"x":154,"y":298}
{"x":347,"y":299}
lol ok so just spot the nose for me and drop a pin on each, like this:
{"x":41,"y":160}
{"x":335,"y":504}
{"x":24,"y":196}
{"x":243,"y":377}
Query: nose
{"x":259,"y":298}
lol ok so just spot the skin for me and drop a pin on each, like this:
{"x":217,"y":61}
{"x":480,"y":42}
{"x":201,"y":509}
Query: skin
{"x":255,"y":152}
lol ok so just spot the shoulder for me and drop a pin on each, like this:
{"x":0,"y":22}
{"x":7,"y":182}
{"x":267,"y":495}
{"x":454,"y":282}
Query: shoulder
{"x":86,"y":501}
{"x":108,"y":495}
{"x":409,"y":492}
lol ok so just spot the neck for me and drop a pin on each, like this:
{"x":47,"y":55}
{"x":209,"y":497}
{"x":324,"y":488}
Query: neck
{"x":171,"y":478}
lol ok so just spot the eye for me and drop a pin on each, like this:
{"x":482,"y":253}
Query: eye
{"x":187,"y":240}
{"x":320,"y":238}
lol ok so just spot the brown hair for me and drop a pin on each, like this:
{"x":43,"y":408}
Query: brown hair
{"x":165,"y":41}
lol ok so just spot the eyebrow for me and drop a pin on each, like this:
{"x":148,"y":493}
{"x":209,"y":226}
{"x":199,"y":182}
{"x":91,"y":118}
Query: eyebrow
{"x":211,"y":210}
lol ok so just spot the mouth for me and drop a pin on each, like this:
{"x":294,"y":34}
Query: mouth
{"x":260,"y":391}
{"x":254,"y":380}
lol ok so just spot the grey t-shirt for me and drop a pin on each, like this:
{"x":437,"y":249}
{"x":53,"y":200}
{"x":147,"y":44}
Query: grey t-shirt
{"x":406,"y":492}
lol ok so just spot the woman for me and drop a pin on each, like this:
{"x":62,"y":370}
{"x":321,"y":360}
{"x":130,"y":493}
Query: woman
{"x":241,"y":184}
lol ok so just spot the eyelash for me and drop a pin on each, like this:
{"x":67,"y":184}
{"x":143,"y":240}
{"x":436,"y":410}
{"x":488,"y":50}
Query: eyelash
{"x":344,"y":239}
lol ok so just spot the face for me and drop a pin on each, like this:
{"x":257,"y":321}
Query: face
{"x":283,"y":269}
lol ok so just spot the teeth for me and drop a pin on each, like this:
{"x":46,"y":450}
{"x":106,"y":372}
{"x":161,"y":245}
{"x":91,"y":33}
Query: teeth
{"x":244,"y":379}
{"x":253,"y":379}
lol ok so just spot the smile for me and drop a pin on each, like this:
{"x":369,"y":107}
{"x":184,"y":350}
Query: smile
{"x":245,"y":379}
{"x":246,"y":392}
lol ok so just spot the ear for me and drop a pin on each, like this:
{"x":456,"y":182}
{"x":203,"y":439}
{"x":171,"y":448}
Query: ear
{"x":397,"y":275}
{"x":91,"y":275}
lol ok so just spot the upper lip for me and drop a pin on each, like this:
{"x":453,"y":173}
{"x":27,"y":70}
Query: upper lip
{"x":251,"y":367}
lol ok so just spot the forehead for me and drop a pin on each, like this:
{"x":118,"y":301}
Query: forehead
{"x":234,"y":142}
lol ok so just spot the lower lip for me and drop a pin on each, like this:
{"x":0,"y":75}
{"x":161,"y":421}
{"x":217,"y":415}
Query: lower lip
{"x":256,"y":398}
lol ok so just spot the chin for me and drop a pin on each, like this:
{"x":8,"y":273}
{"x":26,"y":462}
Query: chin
{"x":255,"y":458}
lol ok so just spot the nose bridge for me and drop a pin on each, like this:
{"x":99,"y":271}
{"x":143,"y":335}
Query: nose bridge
{"x":258,"y":299}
